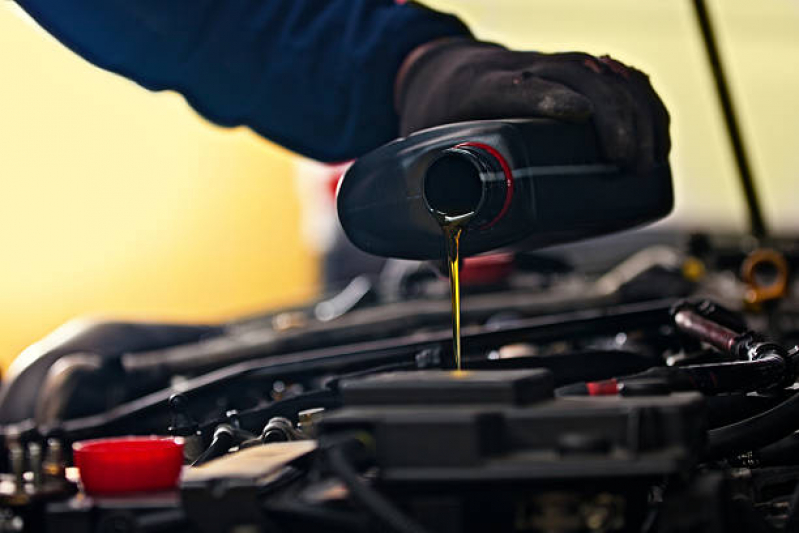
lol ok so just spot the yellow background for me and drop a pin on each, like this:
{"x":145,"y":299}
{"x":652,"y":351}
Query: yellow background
{"x":119,"y":202}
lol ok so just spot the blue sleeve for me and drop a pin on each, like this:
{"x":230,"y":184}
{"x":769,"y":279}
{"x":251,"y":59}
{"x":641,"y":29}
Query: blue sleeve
{"x":315,"y":76}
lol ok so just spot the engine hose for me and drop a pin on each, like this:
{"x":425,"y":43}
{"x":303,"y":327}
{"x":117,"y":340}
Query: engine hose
{"x":712,"y":378}
{"x":792,"y":522}
{"x":218,"y":447}
{"x":784,"y":452}
{"x":225,"y":437}
{"x":734,"y":376}
{"x":755,"y":432}
{"x":368,"y":498}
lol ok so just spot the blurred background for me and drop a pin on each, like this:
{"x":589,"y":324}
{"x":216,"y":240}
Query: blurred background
{"x":118,"y":202}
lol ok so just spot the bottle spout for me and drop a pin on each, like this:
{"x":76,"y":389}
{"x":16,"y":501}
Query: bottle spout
{"x":467,"y":184}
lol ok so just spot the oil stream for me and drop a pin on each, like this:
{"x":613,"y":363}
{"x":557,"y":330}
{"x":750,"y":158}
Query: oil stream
{"x":453,"y":228}
{"x":453,"y":190}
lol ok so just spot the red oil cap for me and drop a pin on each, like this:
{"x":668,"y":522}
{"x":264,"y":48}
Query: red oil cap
{"x":487,"y":269}
{"x":128,"y":464}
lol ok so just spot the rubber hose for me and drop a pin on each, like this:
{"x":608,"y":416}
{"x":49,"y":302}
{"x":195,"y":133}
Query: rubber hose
{"x":755,"y":432}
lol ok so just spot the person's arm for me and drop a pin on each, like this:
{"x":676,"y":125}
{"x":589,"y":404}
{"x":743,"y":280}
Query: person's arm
{"x":333,"y":79}
{"x":316,"y":76}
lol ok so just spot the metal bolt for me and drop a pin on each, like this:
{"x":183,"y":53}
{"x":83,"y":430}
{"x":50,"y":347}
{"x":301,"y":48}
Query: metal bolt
{"x":308,"y":420}
{"x":35,"y":459}
{"x":53,"y":465}
{"x":17,"y":457}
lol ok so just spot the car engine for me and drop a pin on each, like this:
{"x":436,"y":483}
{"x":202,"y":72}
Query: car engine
{"x":649,"y":393}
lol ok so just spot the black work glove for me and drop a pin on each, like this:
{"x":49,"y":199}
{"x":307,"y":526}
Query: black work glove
{"x":462,"y":79}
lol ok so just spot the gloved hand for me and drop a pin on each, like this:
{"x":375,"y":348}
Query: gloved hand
{"x":77,"y":367}
{"x":461,"y":79}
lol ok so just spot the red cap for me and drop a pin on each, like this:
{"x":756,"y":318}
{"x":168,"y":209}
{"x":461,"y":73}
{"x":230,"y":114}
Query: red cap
{"x":608,"y":387}
{"x":128,"y":464}
{"x":486,"y":269}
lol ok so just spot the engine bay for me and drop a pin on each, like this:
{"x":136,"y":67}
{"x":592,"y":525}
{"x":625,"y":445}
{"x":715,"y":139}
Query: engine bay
{"x":652,"y":392}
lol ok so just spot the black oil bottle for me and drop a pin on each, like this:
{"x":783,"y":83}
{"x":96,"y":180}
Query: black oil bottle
{"x":523,"y":183}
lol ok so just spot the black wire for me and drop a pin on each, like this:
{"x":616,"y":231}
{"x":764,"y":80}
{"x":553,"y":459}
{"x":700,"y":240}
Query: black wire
{"x":317,"y":515}
{"x":784,"y":452}
{"x":792,"y":522}
{"x":219,"y":446}
{"x":170,"y":520}
{"x":371,"y":500}
{"x":256,"y":417}
{"x":757,"y":431}
{"x":756,"y":221}
{"x":334,"y":382}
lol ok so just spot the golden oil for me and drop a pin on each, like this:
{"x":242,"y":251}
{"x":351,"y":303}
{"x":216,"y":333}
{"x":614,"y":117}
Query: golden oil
{"x":453,"y":228}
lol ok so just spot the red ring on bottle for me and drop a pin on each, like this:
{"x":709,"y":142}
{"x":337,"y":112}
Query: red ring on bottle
{"x":508,"y":177}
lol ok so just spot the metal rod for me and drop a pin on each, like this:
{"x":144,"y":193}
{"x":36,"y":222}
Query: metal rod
{"x":756,"y":221}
